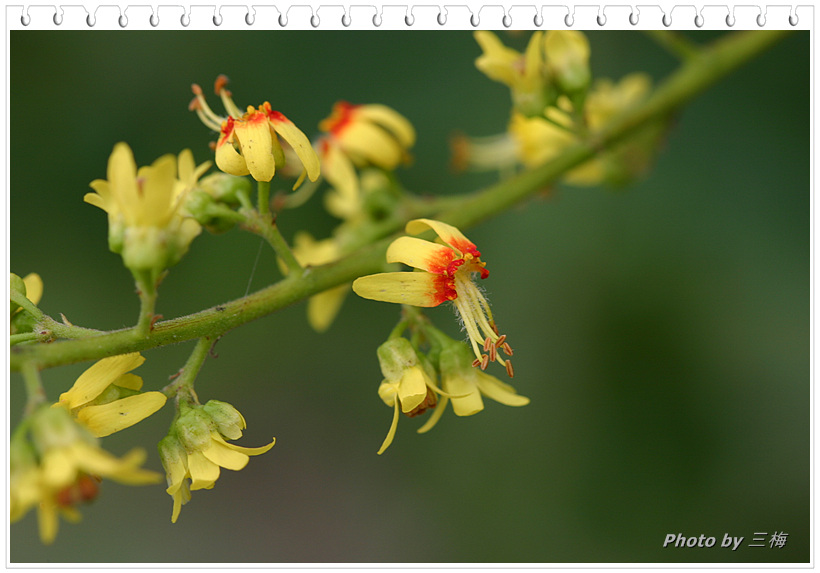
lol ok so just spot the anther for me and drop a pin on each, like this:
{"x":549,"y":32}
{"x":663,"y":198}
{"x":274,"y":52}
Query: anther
{"x":493,"y":353}
{"x":500,"y":340}
{"x":485,"y":361}
{"x":487,"y":344}
{"x":476,"y":362}
{"x":196,"y":89}
{"x":507,"y":349}
{"x":509,"y":367}
{"x":220,"y":83}
{"x":195,"y":105}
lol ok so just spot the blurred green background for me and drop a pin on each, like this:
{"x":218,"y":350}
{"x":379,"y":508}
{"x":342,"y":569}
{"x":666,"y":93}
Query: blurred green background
{"x":661,"y":331}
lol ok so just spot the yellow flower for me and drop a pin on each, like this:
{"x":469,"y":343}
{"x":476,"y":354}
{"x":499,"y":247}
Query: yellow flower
{"x":146,"y":221}
{"x":608,"y":99}
{"x":407,"y":387}
{"x":448,"y":276}
{"x":524,"y":74}
{"x":60,"y":468}
{"x":322,"y":308}
{"x":196,"y":449}
{"x":360,"y":136}
{"x":464,"y":386}
{"x":106,"y":398}
{"x":567,"y":57}
{"x":249,"y":142}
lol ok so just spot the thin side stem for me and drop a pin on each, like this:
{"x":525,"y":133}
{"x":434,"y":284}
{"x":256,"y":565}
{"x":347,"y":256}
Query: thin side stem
{"x":34,"y":387}
{"x":183,"y":387}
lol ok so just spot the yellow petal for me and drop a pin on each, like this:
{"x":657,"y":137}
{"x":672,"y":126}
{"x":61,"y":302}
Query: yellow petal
{"x":98,"y":377}
{"x":298,"y":141}
{"x":415,"y":289}
{"x":449,"y":234}
{"x":255,"y":141}
{"x":391,"y":120}
{"x":497,"y":61}
{"x":392,"y":432}
{"x":323,"y":307}
{"x":204,"y":472}
{"x":412,"y":388}
{"x":247,"y":451}
{"x":47,"y":520}
{"x":129,"y":381}
{"x":365,"y":142}
{"x":421,"y":254}
{"x":469,"y":401}
{"x":105,"y":419}
{"x":34,"y":287}
{"x":494,"y":388}
{"x":229,"y":160}
{"x":181,"y":497}
{"x":225,"y":457}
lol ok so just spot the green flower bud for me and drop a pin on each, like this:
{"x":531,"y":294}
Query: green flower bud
{"x":395,"y":357}
{"x":228,"y":420}
{"x":194,"y":429}
{"x":53,"y":427}
{"x":225,"y":188}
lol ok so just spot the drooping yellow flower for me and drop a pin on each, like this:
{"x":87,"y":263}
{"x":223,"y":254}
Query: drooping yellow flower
{"x":147,"y":224}
{"x":60,"y":467}
{"x":608,"y":99}
{"x":322,"y":308}
{"x":358,"y":136}
{"x":407,"y":386}
{"x":448,"y":276}
{"x":196,"y":449}
{"x":106,"y":398}
{"x":249,"y":141}
{"x":567,"y":57}
{"x":464,"y":386}
{"x":525,"y":74}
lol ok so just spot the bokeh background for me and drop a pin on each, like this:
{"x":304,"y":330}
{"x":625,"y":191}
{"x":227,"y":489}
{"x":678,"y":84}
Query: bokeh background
{"x":661,"y":331}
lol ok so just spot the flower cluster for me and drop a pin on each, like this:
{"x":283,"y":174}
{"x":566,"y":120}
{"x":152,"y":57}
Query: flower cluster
{"x":56,"y":461}
{"x":555,"y":105}
{"x":196,"y":448}
{"x":447,"y":275}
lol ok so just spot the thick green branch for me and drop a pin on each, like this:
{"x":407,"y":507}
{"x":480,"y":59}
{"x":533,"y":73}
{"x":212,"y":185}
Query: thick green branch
{"x":695,"y":76}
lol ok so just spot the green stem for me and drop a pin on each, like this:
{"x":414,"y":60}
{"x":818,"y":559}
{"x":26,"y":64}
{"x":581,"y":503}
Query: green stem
{"x":693,"y":78}
{"x":147,"y":290}
{"x":22,"y":337}
{"x":183,"y":386}
{"x":20,"y":300}
{"x":263,"y":200}
{"x":34,"y":387}
{"x":265,"y":227}
{"x":675,"y":43}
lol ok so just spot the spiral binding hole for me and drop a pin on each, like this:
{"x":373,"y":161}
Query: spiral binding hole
{"x":441,"y":18}
{"x":633,"y":18}
{"x":250,"y":19}
{"x":730,"y":19}
{"x":217,"y":19}
{"x":409,"y":20}
{"x":667,"y":20}
{"x":314,"y":20}
{"x":283,"y":20}
{"x":377,"y":19}
{"x":57,"y":19}
{"x":122,"y":20}
{"x":506,"y":20}
{"x":601,"y":19}
{"x":569,"y":20}
{"x":474,"y":20}
{"x":699,"y":20}
{"x":761,"y":20}
{"x":185,"y":20}
{"x":25,"y":19}
{"x":538,"y":20}
{"x":90,"y":21}
{"x":793,"y":19}
{"x":153,"y":20}
{"x":346,"y":20}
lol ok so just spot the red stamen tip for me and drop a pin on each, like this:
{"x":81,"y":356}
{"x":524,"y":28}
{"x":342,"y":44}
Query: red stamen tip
{"x":509,"y":367}
{"x":194,"y":105}
{"x":220,"y":83}
{"x":196,"y":89}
